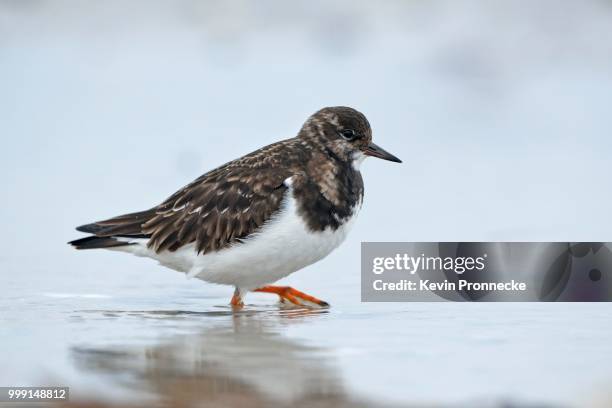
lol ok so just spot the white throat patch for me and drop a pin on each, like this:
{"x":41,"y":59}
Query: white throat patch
{"x":358,"y":158}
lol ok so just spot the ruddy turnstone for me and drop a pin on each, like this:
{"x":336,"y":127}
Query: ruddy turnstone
{"x":258,"y":218}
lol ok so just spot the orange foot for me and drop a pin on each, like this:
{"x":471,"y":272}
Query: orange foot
{"x":292,"y":295}
{"x":236,"y":301}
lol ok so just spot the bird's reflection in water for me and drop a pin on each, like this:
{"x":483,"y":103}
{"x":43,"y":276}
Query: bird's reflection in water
{"x":244,"y":359}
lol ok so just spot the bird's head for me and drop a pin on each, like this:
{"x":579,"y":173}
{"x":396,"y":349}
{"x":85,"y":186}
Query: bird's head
{"x":345,"y":134}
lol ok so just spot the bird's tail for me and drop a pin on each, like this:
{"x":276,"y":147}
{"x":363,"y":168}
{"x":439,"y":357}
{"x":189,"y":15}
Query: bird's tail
{"x":94,"y":242}
{"x":108,"y":233}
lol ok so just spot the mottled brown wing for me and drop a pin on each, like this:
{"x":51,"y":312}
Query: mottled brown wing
{"x":217,"y":209}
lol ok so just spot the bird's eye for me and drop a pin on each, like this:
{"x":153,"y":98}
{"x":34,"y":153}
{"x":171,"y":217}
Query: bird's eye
{"x":348,"y":134}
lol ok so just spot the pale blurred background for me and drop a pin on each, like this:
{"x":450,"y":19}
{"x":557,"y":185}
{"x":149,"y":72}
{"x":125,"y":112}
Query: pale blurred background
{"x":500,"y":111}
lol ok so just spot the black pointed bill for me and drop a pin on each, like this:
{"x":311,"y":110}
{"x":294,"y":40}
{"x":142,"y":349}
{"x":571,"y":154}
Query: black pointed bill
{"x":377,"y":151}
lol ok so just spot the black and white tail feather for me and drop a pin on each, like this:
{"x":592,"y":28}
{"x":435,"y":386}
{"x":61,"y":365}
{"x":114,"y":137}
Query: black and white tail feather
{"x":114,"y":232}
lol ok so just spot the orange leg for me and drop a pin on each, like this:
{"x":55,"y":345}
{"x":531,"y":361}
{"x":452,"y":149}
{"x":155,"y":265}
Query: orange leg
{"x":292,"y":295}
{"x":236,"y":301}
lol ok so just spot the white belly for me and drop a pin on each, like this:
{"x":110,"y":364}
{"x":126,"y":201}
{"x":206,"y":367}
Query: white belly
{"x":282,"y":246}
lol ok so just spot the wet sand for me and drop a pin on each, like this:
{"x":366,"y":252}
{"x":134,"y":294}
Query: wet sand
{"x":176,"y":342}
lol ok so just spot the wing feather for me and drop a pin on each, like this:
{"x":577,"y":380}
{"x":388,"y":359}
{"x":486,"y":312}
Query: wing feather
{"x":215,"y":214}
{"x":218,"y":209}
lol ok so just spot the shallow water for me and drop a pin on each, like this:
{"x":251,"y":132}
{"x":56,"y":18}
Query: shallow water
{"x":110,"y":334}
